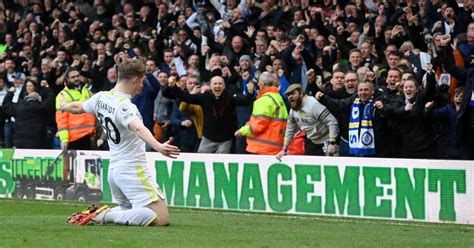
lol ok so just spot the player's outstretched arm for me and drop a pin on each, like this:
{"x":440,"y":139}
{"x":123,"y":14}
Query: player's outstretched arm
{"x":71,"y":107}
{"x":164,"y":148}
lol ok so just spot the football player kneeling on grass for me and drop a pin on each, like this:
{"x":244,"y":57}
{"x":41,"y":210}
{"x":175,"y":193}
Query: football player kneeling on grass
{"x":141,"y":202}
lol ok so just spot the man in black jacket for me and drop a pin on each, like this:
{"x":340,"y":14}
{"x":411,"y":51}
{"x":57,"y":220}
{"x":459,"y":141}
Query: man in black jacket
{"x":218,"y":107}
{"x":418,"y":139}
{"x":30,"y":118}
{"x":345,"y":107}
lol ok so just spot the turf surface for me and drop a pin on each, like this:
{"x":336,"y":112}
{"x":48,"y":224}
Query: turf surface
{"x":42,"y":224}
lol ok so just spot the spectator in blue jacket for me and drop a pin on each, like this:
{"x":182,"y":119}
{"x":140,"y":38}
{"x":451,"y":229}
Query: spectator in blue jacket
{"x":145,"y":101}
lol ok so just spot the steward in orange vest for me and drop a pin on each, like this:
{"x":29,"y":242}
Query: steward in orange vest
{"x":74,"y":127}
{"x":265,"y":130}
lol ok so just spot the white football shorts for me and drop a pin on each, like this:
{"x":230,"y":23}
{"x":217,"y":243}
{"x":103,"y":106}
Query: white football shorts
{"x":133,"y":186}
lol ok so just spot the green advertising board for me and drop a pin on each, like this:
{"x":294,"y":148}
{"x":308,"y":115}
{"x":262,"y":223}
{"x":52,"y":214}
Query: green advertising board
{"x":51,"y":175}
{"x":356,"y":191}
{"x":393,"y":189}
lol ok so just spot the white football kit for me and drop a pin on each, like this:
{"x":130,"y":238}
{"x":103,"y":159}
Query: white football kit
{"x":130,"y":180}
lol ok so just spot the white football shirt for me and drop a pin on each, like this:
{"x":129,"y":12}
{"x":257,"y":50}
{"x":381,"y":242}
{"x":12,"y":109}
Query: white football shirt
{"x":115,"y":111}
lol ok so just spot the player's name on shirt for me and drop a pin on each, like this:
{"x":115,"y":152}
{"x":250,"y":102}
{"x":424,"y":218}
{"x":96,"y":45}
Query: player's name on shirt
{"x":105,"y":107}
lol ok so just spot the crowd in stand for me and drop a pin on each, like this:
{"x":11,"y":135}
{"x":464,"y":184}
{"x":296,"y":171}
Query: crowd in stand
{"x":328,"y":77}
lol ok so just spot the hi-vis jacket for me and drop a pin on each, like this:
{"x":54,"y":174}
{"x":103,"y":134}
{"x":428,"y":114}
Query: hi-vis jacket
{"x":72,"y":127}
{"x":265,"y":130}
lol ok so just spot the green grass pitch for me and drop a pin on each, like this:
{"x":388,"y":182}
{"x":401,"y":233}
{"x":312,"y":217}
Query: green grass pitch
{"x":42,"y":224}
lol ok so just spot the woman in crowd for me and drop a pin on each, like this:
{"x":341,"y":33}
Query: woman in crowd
{"x":418,"y":136}
{"x":30,"y":122}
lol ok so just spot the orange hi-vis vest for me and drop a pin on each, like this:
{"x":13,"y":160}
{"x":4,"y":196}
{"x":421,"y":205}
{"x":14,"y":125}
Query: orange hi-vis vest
{"x":72,"y":127}
{"x":265,"y":130}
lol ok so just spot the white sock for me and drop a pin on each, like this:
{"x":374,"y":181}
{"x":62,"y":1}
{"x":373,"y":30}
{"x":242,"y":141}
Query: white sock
{"x":132,"y":217}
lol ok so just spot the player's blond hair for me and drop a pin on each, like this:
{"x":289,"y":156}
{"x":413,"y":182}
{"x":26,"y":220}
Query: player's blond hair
{"x":131,"y":68}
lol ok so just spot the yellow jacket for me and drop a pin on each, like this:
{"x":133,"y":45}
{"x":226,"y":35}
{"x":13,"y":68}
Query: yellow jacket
{"x":265,"y":130}
{"x":196,"y":112}
{"x":72,"y":127}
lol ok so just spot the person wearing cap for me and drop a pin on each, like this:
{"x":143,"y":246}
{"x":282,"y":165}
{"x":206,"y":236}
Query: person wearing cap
{"x":19,"y":82}
{"x":314,"y":119}
{"x":265,"y":131}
